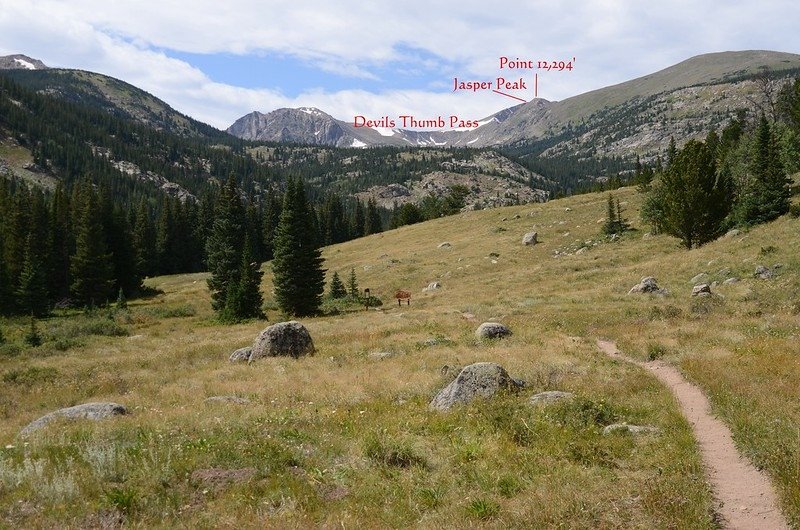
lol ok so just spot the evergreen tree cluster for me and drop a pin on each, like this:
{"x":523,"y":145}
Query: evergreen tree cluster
{"x":737,"y":178}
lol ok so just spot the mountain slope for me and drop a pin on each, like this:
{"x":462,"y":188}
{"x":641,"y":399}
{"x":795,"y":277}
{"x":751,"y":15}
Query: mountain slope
{"x":634,"y":117}
{"x":111,"y":95}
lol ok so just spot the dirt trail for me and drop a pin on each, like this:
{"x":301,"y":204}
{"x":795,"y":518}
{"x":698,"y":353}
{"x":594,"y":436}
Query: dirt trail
{"x":745,"y":495}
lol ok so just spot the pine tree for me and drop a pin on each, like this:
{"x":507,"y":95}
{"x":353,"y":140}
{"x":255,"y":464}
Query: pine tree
{"x":31,"y":294}
{"x":272,"y":216}
{"x":224,"y":245}
{"x":59,"y":243}
{"x":144,"y":241}
{"x":298,"y":276}
{"x":244,"y":299}
{"x":610,"y":226}
{"x":91,"y":266}
{"x":372,"y":221}
{"x":352,"y":285}
{"x":695,"y":198}
{"x":33,"y":338}
{"x":122,"y":302}
{"x":357,"y":223}
{"x":766,"y":194}
{"x":336,"y":289}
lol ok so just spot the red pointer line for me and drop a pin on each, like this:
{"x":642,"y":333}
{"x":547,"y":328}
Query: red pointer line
{"x":509,"y":95}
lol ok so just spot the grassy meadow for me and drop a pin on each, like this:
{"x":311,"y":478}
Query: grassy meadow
{"x":345,"y":439}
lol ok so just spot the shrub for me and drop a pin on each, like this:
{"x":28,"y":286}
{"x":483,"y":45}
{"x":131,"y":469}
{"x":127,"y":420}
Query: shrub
{"x":655,"y":351}
{"x":33,"y":338}
{"x":31,"y":376}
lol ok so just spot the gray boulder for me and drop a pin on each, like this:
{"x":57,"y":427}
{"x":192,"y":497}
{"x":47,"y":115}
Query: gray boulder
{"x":647,"y":285}
{"x":730,"y":281}
{"x":732,"y":233}
{"x":531,"y":238}
{"x":700,"y":278}
{"x":241,"y":355}
{"x":445,"y":244}
{"x":476,"y":380}
{"x":551,"y":396}
{"x":492,"y":330}
{"x":765,"y":273}
{"x":701,"y":290}
{"x":632,"y":429}
{"x":283,"y":339}
{"x":87,"y":411}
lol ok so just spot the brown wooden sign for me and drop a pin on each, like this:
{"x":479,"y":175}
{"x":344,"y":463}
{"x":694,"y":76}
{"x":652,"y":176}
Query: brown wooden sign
{"x":401,"y":295}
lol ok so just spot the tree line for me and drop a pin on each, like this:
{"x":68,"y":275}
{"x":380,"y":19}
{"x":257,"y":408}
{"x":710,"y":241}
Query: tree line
{"x":79,"y":247}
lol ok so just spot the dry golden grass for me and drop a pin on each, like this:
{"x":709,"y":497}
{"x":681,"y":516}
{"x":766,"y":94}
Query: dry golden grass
{"x":342,"y":439}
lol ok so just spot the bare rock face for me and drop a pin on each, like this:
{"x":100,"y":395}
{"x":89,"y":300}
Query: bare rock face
{"x":474,"y":381}
{"x":87,"y":411}
{"x":283,"y":339}
{"x":492,"y":330}
{"x":531,"y":238}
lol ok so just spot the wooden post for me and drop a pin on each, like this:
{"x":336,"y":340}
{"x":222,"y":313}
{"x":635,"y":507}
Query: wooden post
{"x":366,"y":299}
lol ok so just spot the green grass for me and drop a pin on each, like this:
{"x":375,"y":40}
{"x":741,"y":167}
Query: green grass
{"x":342,"y":421}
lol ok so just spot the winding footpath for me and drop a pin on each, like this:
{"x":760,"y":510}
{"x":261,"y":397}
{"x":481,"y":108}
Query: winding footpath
{"x":745,"y":496}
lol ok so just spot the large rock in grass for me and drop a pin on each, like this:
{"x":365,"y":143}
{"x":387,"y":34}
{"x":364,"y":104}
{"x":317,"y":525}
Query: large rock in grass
{"x":529,"y":239}
{"x":476,"y":380}
{"x":87,"y":411}
{"x":492,"y":330}
{"x":647,"y":285}
{"x":290,"y":339}
{"x":701,"y":290}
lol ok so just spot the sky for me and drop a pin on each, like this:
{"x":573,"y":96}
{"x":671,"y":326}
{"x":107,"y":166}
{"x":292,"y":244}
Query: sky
{"x":217,"y":61}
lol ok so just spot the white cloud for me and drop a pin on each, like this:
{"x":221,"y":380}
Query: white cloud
{"x":613,"y":40}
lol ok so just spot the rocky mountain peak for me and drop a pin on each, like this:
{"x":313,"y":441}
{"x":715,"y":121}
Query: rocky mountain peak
{"x":21,"y":62}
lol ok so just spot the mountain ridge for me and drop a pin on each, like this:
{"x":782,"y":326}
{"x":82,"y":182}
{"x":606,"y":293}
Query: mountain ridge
{"x":730,"y":74}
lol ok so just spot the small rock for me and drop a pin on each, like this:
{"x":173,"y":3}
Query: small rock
{"x":241,"y":355}
{"x":567,"y":209}
{"x":445,"y":244}
{"x":380,"y":355}
{"x":227,"y":399}
{"x":468,"y":316}
{"x":504,"y":219}
{"x":581,"y":250}
{"x":492,"y":330}
{"x":724,"y":272}
{"x":87,"y":411}
{"x":731,"y":233}
{"x":701,"y":290}
{"x":432,"y":287}
{"x":217,"y":478}
{"x":476,"y":380}
{"x":531,"y":238}
{"x":518,"y":216}
{"x":551,"y":396}
{"x":283,"y":339}
{"x":647,"y":285}
{"x":614,"y":237}
{"x":700,"y":278}
{"x":730,"y":281}
{"x":763,"y":272}
{"x":633,"y":429}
